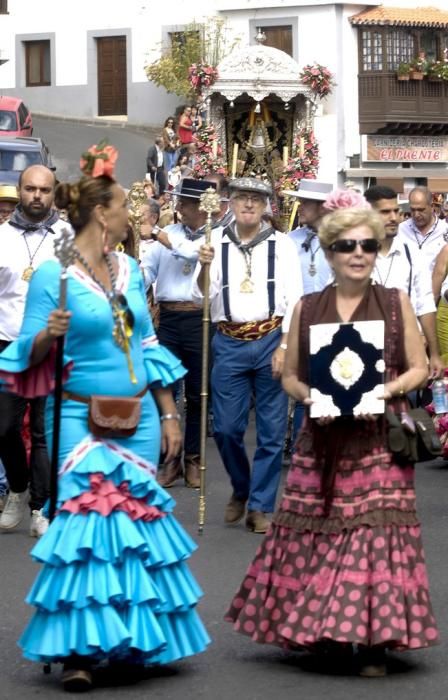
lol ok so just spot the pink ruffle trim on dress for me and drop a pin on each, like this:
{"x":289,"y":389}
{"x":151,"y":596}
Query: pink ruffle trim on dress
{"x":35,"y":381}
{"x":104,"y":497}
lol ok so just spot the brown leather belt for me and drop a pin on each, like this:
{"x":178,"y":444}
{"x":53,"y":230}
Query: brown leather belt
{"x":70,"y":396}
{"x":179,"y":306}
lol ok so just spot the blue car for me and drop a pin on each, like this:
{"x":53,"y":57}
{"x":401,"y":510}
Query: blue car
{"x":18,"y":153}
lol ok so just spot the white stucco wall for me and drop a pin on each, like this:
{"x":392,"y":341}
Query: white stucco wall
{"x":321,"y":32}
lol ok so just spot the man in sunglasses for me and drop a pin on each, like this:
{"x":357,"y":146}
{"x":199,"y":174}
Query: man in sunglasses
{"x":255,"y":282}
{"x":396,"y":266}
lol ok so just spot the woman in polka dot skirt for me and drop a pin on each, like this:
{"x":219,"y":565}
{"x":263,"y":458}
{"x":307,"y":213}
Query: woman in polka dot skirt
{"x":342,"y":563}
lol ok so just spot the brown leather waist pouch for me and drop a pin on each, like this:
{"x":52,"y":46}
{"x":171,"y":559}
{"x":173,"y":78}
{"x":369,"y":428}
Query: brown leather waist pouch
{"x":110,"y":416}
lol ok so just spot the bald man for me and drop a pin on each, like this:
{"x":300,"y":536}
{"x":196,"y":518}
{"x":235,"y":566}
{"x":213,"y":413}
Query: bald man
{"x":27,"y":240}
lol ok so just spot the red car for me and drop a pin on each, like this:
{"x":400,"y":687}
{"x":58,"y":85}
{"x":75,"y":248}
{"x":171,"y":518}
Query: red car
{"x":15,"y":119}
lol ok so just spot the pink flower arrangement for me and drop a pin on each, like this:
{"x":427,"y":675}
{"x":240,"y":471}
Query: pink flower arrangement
{"x":99,"y":160}
{"x":201,"y":75}
{"x":318,"y":78}
{"x":303,"y":163}
{"x":345,"y":199}
{"x":206,"y":161}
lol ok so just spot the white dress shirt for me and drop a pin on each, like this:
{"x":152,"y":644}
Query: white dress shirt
{"x":394,"y":270}
{"x":424,"y":249}
{"x":14,"y":259}
{"x":172,"y":270}
{"x":254,"y":306}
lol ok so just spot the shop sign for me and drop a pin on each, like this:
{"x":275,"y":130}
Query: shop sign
{"x":405,"y":149}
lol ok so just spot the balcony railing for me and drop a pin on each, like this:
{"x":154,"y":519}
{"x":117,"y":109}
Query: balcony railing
{"x":385,"y":101}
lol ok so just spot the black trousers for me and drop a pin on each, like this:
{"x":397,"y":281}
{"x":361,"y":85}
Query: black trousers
{"x":12,"y":447}
{"x":159,"y":179}
{"x":181,"y":333}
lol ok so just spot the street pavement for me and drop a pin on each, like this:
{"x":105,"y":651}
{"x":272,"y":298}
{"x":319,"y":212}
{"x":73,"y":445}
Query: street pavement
{"x":233,"y":668}
{"x":67,"y":140}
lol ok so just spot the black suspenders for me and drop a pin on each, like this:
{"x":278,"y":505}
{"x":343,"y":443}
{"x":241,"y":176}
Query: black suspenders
{"x":225,"y":278}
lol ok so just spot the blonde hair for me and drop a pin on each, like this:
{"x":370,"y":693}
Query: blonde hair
{"x":341,"y":220}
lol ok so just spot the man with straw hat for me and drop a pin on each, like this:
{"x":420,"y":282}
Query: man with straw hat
{"x":8,"y":200}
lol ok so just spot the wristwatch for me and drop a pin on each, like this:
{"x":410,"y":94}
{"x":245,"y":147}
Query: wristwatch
{"x":155,"y":231}
{"x":283,"y":346}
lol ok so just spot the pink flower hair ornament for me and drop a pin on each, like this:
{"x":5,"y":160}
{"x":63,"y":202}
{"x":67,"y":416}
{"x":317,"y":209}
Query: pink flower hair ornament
{"x":99,"y":160}
{"x":345,"y":199}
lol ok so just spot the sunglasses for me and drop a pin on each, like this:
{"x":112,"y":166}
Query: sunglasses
{"x":348,"y":245}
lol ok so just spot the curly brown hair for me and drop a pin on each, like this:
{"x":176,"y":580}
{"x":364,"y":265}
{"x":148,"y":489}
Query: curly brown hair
{"x":80,"y":198}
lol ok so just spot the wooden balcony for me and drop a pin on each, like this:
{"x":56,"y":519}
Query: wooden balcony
{"x":388,"y":105}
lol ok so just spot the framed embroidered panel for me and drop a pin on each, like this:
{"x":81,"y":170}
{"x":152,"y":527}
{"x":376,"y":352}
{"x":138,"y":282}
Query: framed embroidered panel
{"x":346,"y":368}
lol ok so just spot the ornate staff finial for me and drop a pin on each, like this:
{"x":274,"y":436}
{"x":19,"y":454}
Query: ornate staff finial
{"x":209,"y":202}
{"x":137,"y":198}
{"x":64,"y":249}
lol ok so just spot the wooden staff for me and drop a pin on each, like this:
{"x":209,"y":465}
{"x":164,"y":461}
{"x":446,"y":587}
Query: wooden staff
{"x":210,"y":203}
{"x":137,"y":198}
{"x":64,"y":251}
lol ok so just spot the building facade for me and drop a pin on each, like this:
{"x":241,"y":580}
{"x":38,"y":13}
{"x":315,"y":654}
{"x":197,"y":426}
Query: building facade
{"x":87,"y":60}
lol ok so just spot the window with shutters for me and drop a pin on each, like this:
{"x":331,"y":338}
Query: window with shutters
{"x":38,"y":63}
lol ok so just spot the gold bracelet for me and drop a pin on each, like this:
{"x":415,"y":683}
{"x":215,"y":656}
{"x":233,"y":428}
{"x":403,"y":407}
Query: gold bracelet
{"x":401,"y":391}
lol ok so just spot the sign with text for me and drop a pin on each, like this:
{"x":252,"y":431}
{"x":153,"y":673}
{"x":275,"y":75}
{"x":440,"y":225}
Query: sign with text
{"x":405,"y":149}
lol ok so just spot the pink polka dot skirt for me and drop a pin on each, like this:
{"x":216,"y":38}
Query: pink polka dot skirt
{"x":338,"y":578}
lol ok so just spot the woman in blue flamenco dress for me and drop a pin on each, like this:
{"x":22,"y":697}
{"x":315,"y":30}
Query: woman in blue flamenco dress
{"x":113,"y":583}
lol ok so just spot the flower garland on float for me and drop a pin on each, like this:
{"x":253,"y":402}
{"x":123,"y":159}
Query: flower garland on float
{"x":303,"y":163}
{"x":319,"y":79}
{"x":209,"y":156}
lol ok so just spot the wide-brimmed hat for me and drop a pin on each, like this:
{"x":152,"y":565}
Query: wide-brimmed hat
{"x":250,"y":184}
{"x":311,"y":189}
{"x":189,"y":187}
{"x":9,"y":192}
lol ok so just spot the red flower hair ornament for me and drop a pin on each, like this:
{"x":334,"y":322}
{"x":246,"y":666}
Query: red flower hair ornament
{"x":99,"y":160}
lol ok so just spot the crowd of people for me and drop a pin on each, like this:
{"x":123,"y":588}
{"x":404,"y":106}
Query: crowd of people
{"x":173,"y":154}
{"x":340,"y":570}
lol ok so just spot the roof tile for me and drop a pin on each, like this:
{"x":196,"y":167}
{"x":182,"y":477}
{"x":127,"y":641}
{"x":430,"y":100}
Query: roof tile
{"x":396,"y":16}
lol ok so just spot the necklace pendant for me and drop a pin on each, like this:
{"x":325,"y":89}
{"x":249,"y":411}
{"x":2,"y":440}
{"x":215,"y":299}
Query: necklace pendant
{"x":187,"y":268}
{"x":247,"y":286}
{"x":312,"y":269}
{"x":27,"y":273}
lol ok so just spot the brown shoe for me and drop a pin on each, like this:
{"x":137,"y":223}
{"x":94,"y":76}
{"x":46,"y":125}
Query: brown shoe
{"x":192,"y":472}
{"x":169,"y":473}
{"x":257,"y":522}
{"x":234,"y":511}
{"x":77,"y":676}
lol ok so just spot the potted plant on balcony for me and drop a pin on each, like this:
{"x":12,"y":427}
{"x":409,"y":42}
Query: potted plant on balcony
{"x":403,"y":71}
{"x":438,"y":71}
{"x":419,"y":67}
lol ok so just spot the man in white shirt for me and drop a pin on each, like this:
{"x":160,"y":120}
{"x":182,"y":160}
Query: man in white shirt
{"x":424,"y":233}
{"x":27,"y":240}
{"x":396,"y":267}
{"x":316,"y":271}
{"x":170,"y":265}
{"x":255,"y":282}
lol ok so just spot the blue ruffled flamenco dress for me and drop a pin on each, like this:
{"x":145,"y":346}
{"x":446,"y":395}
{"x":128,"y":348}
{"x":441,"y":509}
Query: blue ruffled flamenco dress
{"x":114,"y":581}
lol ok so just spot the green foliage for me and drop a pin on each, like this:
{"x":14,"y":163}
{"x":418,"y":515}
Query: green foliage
{"x":207,"y":42}
{"x":404,"y":68}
